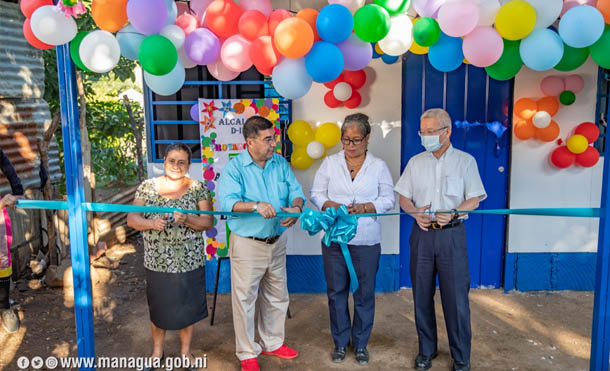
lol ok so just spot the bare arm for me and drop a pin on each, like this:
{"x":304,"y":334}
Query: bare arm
{"x":140,"y":223}
{"x":194,"y":221}
{"x":423,"y":220}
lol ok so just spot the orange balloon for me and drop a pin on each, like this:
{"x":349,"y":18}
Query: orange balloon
{"x":524,"y":129}
{"x":604,"y":7}
{"x":548,"y":104}
{"x":310,"y":15}
{"x":549,"y":133}
{"x":293,"y":37}
{"x":222,"y":17}
{"x":109,"y":15}
{"x":525,"y":108}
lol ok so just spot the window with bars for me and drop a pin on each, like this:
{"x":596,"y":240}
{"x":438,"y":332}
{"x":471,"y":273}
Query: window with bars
{"x":603,"y":107}
{"x":168,"y":117}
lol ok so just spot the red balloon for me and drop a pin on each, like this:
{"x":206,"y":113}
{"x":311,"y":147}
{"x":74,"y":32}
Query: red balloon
{"x":355,"y":78}
{"x":187,"y":22}
{"x":262,"y":71}
{"x":588,"y":158}
{"x":354,"y":101}
{"x":33,"y":40}
{"x":222,"y":17}
{"x":562,"y":157}
{"x":276,"y":17}
{"x":589,"y":130}
{"x":330,"y":100}
{"x":28,"y":6}
{"x":253,"y":24}
{"x":331,"y":84}
{"x":263,"y":54}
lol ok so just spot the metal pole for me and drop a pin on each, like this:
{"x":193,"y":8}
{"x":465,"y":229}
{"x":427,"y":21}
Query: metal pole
{"x":77,"y":218}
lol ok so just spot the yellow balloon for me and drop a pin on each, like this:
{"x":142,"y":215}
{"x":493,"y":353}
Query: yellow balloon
{"x":466,"y":61}
{"x":300,"y":133}
{"x":578,"y":144}
{"x":299,"y":159}
{"x":418,"y":49}
{"x":515,"y":20}
{"x":328,"y":134}
{"x":378,"y":49}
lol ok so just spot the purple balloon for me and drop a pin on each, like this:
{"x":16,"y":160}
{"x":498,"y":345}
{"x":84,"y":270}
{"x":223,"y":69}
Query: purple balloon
{"x":147,"y":16}
{"x":202,"y":46}
{"x":356,"y":53}
{"x":211,"y":233}
{"x":195,"y":112}
{"x":427,"y":8}
{"x":210,"y":185}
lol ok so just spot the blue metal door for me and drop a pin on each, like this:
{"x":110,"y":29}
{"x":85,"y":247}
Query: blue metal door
{"x":468,"y":94}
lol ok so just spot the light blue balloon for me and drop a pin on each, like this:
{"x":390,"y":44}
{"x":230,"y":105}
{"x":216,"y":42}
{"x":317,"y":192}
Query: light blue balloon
{"x":446,"y":54}
{"x":334,"y":23}
{"x":581,"y":26}
{"x":290,"y":78}
{"x":129,"y":40}
{"x":172,"y":12}
{"x":166,"y":84}
{"x":541,"y":50}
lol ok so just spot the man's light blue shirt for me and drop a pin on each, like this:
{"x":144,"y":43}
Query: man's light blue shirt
{"x":242,"y":180}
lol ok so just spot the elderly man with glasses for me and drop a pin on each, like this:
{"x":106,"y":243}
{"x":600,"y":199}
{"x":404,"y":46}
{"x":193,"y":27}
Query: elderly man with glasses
{"x":434,"y":185}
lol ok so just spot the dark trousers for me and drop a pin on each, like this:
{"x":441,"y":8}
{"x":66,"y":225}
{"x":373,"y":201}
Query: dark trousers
{"x":5,"y":285}
{"x":441,"y":252}
{"x":366,"y":264}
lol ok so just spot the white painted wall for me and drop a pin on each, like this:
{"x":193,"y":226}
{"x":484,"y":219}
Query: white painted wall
{"x":535,"y":182}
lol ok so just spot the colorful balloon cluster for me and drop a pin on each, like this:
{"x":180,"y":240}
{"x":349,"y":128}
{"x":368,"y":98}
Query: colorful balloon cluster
{"x":565,"y":88}
{"x":533,"y":119}
{"x":344,"y":90}
{"x":578,"y":148}
{"x":309,"y":143}
{"x":386,"y":58}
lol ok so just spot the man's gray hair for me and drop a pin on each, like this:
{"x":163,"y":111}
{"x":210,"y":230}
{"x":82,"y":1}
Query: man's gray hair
{"x":440,"y":115}
{"x":357,"y":119}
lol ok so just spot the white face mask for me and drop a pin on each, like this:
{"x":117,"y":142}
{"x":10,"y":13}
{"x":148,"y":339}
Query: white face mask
{"x":431,"y":142}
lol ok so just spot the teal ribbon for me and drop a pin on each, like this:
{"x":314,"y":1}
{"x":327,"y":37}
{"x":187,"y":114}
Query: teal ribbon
{"x":340,"y":227}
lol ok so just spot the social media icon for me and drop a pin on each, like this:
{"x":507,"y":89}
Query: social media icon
{"x":23,"y":363}
{"x":37,"y":362}
{"x":51,"y":362}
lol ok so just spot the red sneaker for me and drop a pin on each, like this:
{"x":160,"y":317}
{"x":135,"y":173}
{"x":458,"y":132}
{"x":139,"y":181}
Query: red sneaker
{"x":283,"y":352}
{"x":250,"y":364}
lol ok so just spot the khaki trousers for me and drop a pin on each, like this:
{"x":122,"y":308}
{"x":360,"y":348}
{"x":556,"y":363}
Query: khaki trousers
{"x":256,"y":265}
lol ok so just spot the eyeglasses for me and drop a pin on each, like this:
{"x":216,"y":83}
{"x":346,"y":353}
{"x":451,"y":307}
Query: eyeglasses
{"x":354,"y":141}
{"x":431,"y":132}
{"x":270,"y":140}
{"x":180,"y":163}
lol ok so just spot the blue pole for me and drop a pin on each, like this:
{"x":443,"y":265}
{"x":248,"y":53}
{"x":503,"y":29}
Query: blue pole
{"x":77,"y":217}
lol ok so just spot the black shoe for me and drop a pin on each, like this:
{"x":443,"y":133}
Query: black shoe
{"x":10,"y":321}
{"x":461,"y":366}
{"x":338,"y":355}
{"x":424,"y":362}
{"x":362,"y":356}
{"x":191,"y":367}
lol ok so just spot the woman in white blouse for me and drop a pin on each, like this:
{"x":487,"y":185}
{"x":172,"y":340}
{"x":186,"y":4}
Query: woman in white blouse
{"x":362,"y":182}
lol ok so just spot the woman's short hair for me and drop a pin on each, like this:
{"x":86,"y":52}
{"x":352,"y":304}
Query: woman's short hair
{"x":359,"y":120}
{"x":440,"y":115}
{"x":179,"y":146}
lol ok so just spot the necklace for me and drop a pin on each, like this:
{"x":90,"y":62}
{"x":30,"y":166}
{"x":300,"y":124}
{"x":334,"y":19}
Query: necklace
{"x":353,"y":166}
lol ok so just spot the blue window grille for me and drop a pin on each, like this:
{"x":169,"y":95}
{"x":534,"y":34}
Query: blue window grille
{"x":603,"y":107}
{"x":168,"y":118}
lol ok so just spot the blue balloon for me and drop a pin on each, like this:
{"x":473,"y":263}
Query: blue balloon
{"x":334,"y":23}
{"x":166,"y":84}
{"x":446,"y":54}
{"x":324,"y":62}
{"x":581,"y":26}
{"x":375,"y":54}
{"x":541,"y":50}
{"x":172,"y":12}
{"x":389,"y":59}
{"x":290,"y":78}
{"x":129,"y":40}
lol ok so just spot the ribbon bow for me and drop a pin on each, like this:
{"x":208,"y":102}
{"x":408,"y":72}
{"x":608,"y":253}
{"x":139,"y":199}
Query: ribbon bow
{"x":339,"y":226}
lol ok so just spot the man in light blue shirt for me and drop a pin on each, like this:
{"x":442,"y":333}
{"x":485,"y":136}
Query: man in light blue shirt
{"x":259,"y":181}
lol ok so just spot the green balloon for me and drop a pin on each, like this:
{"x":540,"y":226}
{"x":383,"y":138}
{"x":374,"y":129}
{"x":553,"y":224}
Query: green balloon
{"x":572,"y":58}
{"x":394,"y":7}
{"x":69,"y":2}
{"x":600,"y":51}
{"x":509,"y":64}
{"x":74,"y":46}
{"x":567,"y":97}
{"x":426,"y":31}
{"x":157,"y":55}
{"x":371,"y":23}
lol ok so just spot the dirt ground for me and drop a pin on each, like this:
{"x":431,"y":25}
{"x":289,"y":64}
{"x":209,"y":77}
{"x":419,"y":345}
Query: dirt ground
{"x":515,"y":331}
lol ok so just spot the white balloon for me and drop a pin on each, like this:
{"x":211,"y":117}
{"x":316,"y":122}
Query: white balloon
{"x":487,"y":11}
{"x":184,"y":59}
{"x":100,"y":51}
{"x":547,"y":11}
{"x":175,"y":34}
{"x":399,"y":39}
{"x":50,"y":25}
{"x":541,"y":119}
{"x":352,"y":5}
{"x":166,"y":84}
{"x":315,"y":150}
{"x":342,"y":91}
{"x":220,"y":71}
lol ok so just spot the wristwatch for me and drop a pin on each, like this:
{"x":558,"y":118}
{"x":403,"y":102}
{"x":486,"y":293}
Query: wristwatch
{"x":300,"y":208}
{"x":255,"y":207}
{"x":456,"y":215}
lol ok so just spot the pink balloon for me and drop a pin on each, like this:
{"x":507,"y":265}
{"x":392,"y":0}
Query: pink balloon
{"x":552,"y":86}
{"x":575,"y":83}
{"x":235,"y":53}
{"x":458,"y":18}
{"x":187,"y":22}
{"x":427,"y":8}
{"x":483,"y":46}
{"x":569,"y":4}
{"x":199,"y":7}
{"x":263,"y":6}
{"x":220,"y":71}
